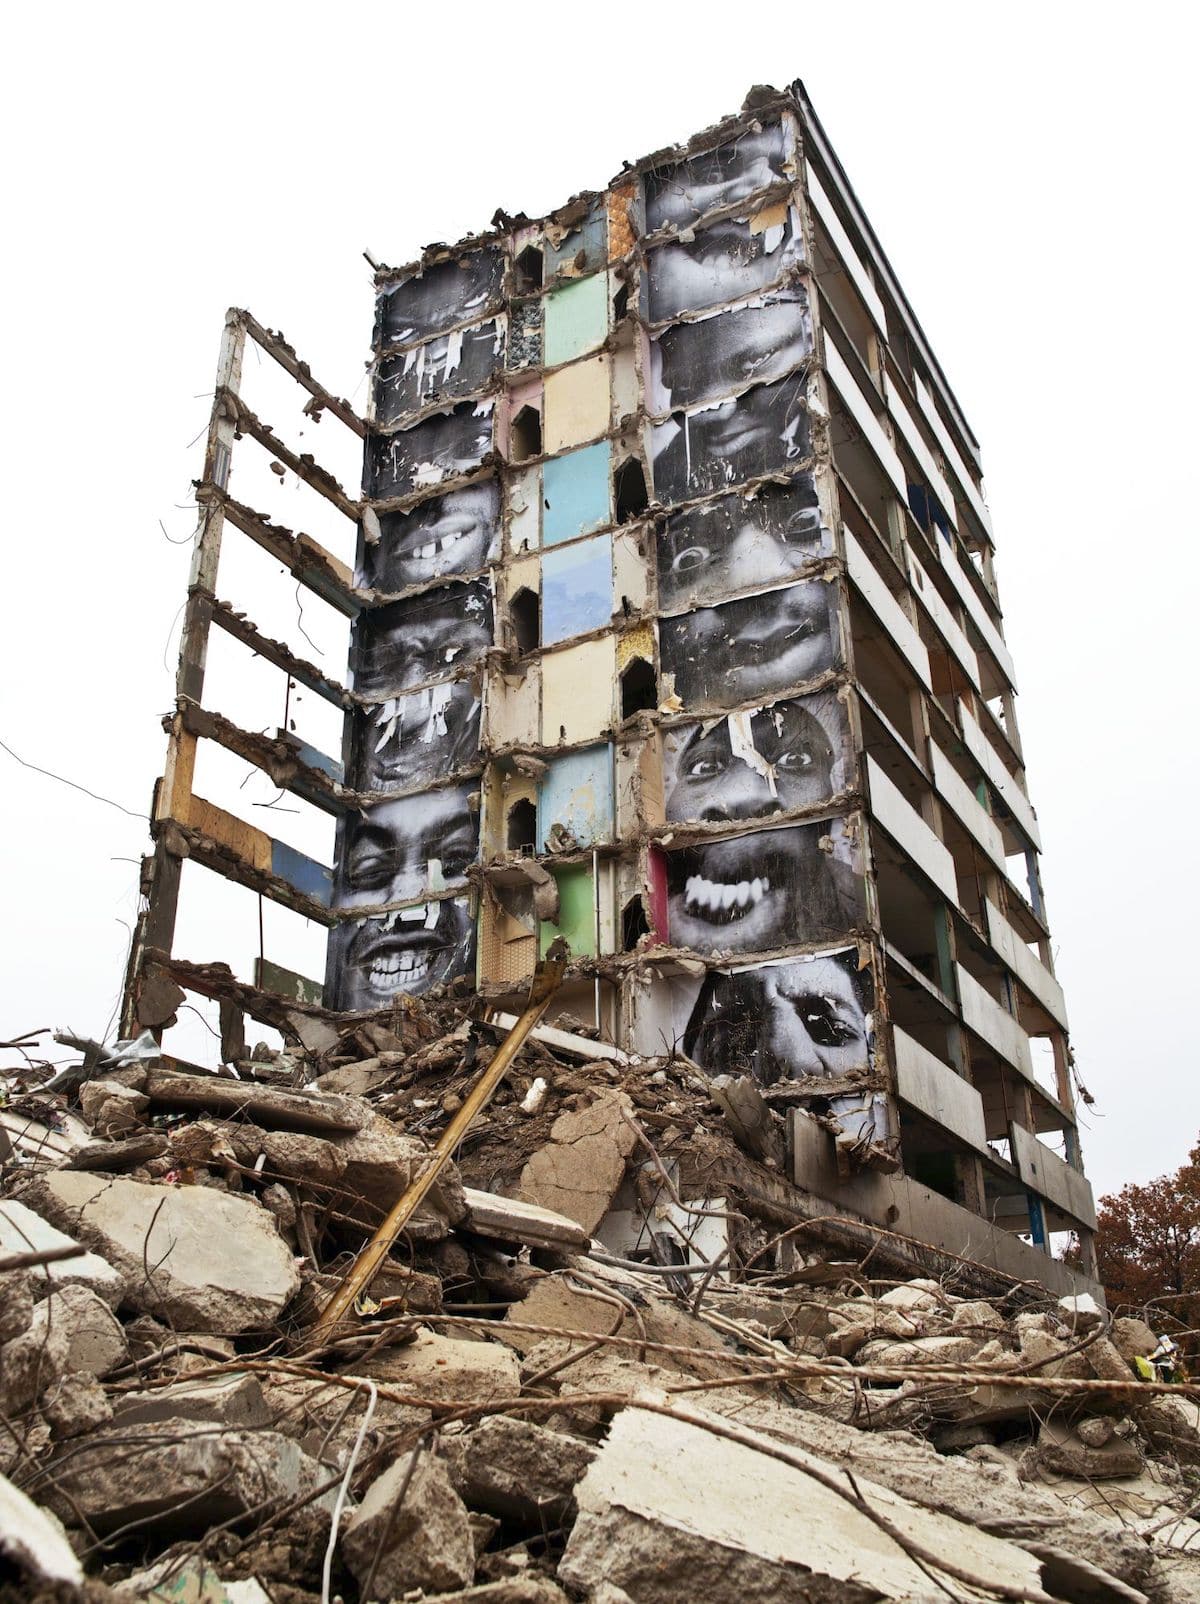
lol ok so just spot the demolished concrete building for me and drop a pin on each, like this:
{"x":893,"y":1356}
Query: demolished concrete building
{"x":673,"y":631}
{"x":654,"y":1197}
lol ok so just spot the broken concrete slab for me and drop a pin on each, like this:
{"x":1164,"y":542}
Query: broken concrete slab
{"x":510,"y":1219}
{"x":665,"y":1493}
{"x":579,"y":1170}
{"x":22,"y":1230}
{"x":516,"y":1469}
{"x":920,"y":1351}
{"x":567,"y":1042}
{"x":270,"y":1106}
{"x":1064,"y":1452}
{"x":915,"y":1295}
{"x":179,"y":1477}
{"x":354,"y":1080}
{"x":552,"y":1302}
{"x":422,"y":1524}
{"x":235,"y":1401}
{"x":751,"y":1119}
{"x":204,"y":1260}
{"x":1068,"y":1576}
{"x":96,"y":1342}
{"x":440,"y":1367}
{"x":119,"y":1155}
{"x":33,"y":1541}
{"x":38,"y":1140}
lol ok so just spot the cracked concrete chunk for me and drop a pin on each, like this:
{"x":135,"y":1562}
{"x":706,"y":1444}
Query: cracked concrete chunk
{"x":426,"y":1538}
{"x":178,"y":1477}
{"x":204,"y":1260}
{"x":579,"y":1170}
{"x":1064,"y":1452}
{"x":76,"y":1406}
{"x":515,"y":1469}
{"x":920,"y":1351}
{"x":95,"y":1341}
{"x":1132,"y":1339}
{"x":446,"y":1367}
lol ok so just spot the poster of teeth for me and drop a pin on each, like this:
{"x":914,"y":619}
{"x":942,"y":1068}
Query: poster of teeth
{"x":457,"y":533}
{"x":758,"y":646}
{"x":721,"y":354}
{"x":413,"y":740}
{"x":791,"y":886}
{"x":678,"y":193}
{"x":739,"y":542}
{"x":443,"y":369}
{"x":794,"y":754}
{"x":434,"y":635}
{"x":762,"y":431}
{"x":443,"y":296}
{"x":409,"y":950}
{"x":403,"y":852}
{"x":440,"y":447}
{"x":724,"y":262}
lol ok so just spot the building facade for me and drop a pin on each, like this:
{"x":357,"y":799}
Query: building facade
{"x":675,"y":632}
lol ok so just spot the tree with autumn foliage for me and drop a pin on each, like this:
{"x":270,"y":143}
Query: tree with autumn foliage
{"x":1148,"y":1252}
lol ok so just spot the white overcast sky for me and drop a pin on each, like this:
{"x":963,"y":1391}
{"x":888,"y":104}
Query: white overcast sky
{"x":1030,"y":169}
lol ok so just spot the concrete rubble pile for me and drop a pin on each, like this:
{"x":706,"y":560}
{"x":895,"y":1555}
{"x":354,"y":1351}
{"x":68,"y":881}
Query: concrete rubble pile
{"x":538,"y":1398}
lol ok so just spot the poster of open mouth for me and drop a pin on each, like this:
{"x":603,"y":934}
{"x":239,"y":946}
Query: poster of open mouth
{"x":457,"y":533}
{"x":791,"y":886}
{"x":409,"y":949}
{"x":410,"y":741}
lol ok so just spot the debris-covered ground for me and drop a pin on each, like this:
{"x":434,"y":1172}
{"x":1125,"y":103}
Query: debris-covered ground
{"x":535,"y":1399}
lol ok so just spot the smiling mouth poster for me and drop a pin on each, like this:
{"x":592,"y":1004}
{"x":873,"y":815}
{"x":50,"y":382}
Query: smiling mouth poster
{"x":658,"y":336}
